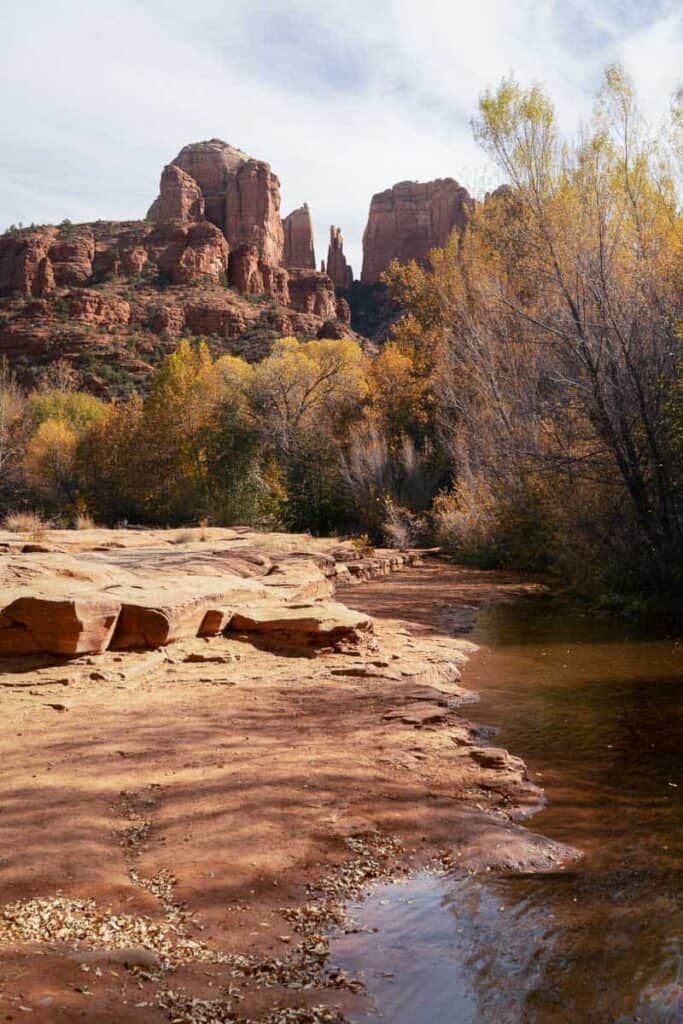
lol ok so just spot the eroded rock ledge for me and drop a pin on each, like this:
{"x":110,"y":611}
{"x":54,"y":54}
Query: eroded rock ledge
{"x":124,"y":590}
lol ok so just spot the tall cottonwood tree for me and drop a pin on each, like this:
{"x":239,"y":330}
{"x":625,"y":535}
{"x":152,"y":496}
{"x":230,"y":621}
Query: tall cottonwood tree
{"x":557,"y":315}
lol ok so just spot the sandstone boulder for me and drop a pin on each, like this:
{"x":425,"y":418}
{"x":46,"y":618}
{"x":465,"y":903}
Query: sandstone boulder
{"x":488,"y":844}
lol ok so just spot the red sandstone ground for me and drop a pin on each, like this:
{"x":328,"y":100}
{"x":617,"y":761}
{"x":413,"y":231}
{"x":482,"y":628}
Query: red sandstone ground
{"x":215,"y":802}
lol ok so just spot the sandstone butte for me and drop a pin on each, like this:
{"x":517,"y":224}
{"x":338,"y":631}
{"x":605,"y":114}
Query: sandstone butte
{"x":113,"y":297}
{"x":80,"y":292}
{"x":408,"y":220}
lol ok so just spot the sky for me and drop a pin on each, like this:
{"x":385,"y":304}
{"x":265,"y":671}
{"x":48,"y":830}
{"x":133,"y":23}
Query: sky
{"x":342,"y":98}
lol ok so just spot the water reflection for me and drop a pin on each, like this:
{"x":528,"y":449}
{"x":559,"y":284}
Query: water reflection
{"x":596,"y":710}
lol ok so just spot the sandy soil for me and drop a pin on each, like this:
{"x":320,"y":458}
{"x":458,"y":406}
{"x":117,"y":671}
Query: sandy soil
{"x":180,"y":826}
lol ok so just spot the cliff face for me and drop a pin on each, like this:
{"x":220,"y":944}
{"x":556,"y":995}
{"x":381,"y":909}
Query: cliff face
{"x":298,"y":228}
{"x":337,"y":267}
{"x":238,"y":194}
{"x":210,"y":164}
{"x":408,"y":220}
{"x":180,"y":197}
{"x":213,"y":258}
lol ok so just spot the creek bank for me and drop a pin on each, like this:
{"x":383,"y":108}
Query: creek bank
{"x":215,"y":802}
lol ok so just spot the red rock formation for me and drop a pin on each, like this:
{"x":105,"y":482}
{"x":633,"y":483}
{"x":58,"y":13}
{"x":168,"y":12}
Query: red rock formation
{"x":408,"y":220}
{"x":34,"y":261}
{"x":337,"y":267}
{"x":72,"y":254}
{"x":189,"y":253}
{"x":170,"y":319}
{"x":120,"y":248}
{"x":180,"y":197}
{"x":298,"y":229}
{"x":204,"y":318}
{"x":253,"y":276}
{"x":204,"y":258}
{"x":343,"y":311}
{"x":252,"y":211}
{"x":332,"y":329}
{"x":241,"y":196}
{"x":312,"y":292}
{"x":24,"y":263}
{"x":211,"y":164}
{"x":90,"y":307}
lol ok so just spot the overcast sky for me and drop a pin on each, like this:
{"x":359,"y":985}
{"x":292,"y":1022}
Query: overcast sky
{"x":343,"y":97}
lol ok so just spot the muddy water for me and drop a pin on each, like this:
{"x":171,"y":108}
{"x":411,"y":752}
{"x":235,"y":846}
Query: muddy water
{"x":596,"y":710}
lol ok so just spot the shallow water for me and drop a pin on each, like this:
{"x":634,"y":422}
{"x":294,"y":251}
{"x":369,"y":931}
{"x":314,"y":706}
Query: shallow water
{"x":596,"y":711}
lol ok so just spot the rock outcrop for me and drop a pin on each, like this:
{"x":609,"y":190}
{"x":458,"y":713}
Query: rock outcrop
{"x":241,"y":196}
{"x":298,"y":230}
{"x":116,"y":294}
{"x":252,"y":275}
{"x":407,"y":221}
{"x":90,"y":307}
{"x":210,"y":164}
{"x":337,"y":267}
{"x":25,"y":267}
{"x":180,"y":197}
{"x":312,"y":292}
{"x":90,"y":599}
{"x":33,"y":262}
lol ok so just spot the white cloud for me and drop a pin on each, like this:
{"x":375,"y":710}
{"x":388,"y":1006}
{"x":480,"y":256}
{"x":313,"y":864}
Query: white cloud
{"x":343,"y":99}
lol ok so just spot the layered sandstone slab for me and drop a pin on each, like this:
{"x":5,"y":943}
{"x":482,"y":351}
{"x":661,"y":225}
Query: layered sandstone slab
{"x":408,"y":220}
{"x":41,"y":623}
{"x":299,"y":250}
{"x":164,"y":612}
{"x":302,"y":628}
{"x":130,"y":590}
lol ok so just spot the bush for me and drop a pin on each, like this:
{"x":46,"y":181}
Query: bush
{"x":465,"y":523}
{"x":83,"y":521}
{"x":30,"y":523}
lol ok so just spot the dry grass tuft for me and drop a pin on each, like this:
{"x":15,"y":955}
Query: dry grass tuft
{"x":84,"y":522}
{"x":29,"y":523}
